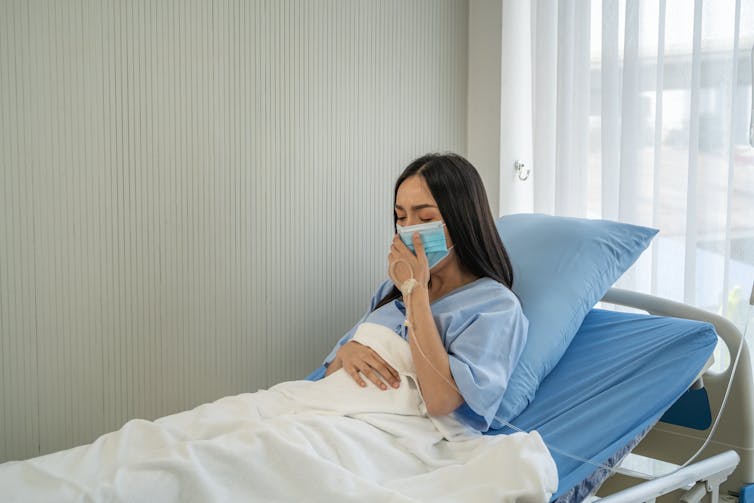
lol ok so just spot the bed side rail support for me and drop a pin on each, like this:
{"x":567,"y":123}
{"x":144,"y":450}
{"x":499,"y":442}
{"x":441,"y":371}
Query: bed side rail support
{"x":698,"y":479}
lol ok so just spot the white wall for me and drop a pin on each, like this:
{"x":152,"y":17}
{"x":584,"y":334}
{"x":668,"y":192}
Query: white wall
{"x":484,"y":100}
{"x":195,"y":196}
{"x":500,"y":100}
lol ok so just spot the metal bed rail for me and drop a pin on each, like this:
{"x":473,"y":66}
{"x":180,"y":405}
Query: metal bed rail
{"x":698,"y":479}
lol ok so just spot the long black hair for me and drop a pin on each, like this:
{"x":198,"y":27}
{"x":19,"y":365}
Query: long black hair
{"x":458,"y":189}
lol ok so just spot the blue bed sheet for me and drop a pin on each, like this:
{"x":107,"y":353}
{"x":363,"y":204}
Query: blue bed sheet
{"x":619,"y":375}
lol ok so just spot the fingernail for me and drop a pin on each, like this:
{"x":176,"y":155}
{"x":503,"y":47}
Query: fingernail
{"x":395,"y":385}
{"x":382,"y":386}
{"x":363,"y":384}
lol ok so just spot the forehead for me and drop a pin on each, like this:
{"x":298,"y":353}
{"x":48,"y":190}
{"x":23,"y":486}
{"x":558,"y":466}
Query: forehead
{"x":414,"y":191}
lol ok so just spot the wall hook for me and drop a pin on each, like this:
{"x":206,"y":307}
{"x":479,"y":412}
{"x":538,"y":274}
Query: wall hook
{"x":522,"y":170}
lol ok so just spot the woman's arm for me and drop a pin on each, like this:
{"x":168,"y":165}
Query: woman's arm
{"x":428,"y":352}
{"x":430,"y":357}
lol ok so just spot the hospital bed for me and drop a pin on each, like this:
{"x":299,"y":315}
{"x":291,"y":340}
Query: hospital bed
{"x":600,"y":425}
{"x":623,"y":379}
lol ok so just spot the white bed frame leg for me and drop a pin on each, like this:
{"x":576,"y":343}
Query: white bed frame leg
{"x":713,"y":486}
{"x":695,"y":494}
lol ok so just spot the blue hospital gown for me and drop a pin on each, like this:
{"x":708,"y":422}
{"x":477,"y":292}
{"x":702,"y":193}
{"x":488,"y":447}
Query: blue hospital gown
{"x":484,"y":331}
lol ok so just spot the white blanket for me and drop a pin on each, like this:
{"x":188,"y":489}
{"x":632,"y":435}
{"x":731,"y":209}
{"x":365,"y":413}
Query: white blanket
{"x":298,"y":441}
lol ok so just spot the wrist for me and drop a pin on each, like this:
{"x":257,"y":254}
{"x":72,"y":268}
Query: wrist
{"x":419,"y":293}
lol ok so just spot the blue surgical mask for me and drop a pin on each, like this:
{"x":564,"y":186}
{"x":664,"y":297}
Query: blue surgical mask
{"x":433,"y":239}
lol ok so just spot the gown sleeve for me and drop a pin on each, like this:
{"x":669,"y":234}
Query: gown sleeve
{"x":484,"y":343}
{"x":382,"y":290}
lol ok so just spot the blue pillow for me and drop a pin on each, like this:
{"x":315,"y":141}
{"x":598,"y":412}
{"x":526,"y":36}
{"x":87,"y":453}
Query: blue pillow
{"x":562,"y":267}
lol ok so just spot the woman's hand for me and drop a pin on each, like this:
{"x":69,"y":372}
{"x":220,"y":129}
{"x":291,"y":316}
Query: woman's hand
{"x":357,"y":359}
{"x":403,"y":265}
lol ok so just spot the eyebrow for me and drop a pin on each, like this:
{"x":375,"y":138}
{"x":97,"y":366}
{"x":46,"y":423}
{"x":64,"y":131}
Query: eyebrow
{"x":415,"y":208}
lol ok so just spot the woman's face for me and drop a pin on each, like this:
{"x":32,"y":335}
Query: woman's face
{"x":414,"y":205}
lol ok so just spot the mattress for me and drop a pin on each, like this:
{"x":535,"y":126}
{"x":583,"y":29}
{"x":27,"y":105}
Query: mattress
{"x":620,"y":374}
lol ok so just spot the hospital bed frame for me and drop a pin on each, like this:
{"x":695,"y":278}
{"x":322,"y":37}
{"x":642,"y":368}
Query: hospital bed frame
{"x":727,"y":463}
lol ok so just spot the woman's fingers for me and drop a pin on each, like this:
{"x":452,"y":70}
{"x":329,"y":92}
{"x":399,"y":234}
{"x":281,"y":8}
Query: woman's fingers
{"x":336,"y":364}
{"x":419,"y":247}
{"x":354,"y":372}
{"x":402,"y":263}
{"x":400,"y":248}
{"x":376,"y":370}
{"x":387,"y":372}
{"x":373,"y":376}
{"x":396,"y":240}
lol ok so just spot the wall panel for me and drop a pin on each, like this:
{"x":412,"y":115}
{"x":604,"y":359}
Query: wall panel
{"x":195,"y":196}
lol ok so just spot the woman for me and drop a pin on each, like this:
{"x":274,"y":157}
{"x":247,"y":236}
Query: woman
{"x":306,"y":441}
{"x":465,"y":326}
